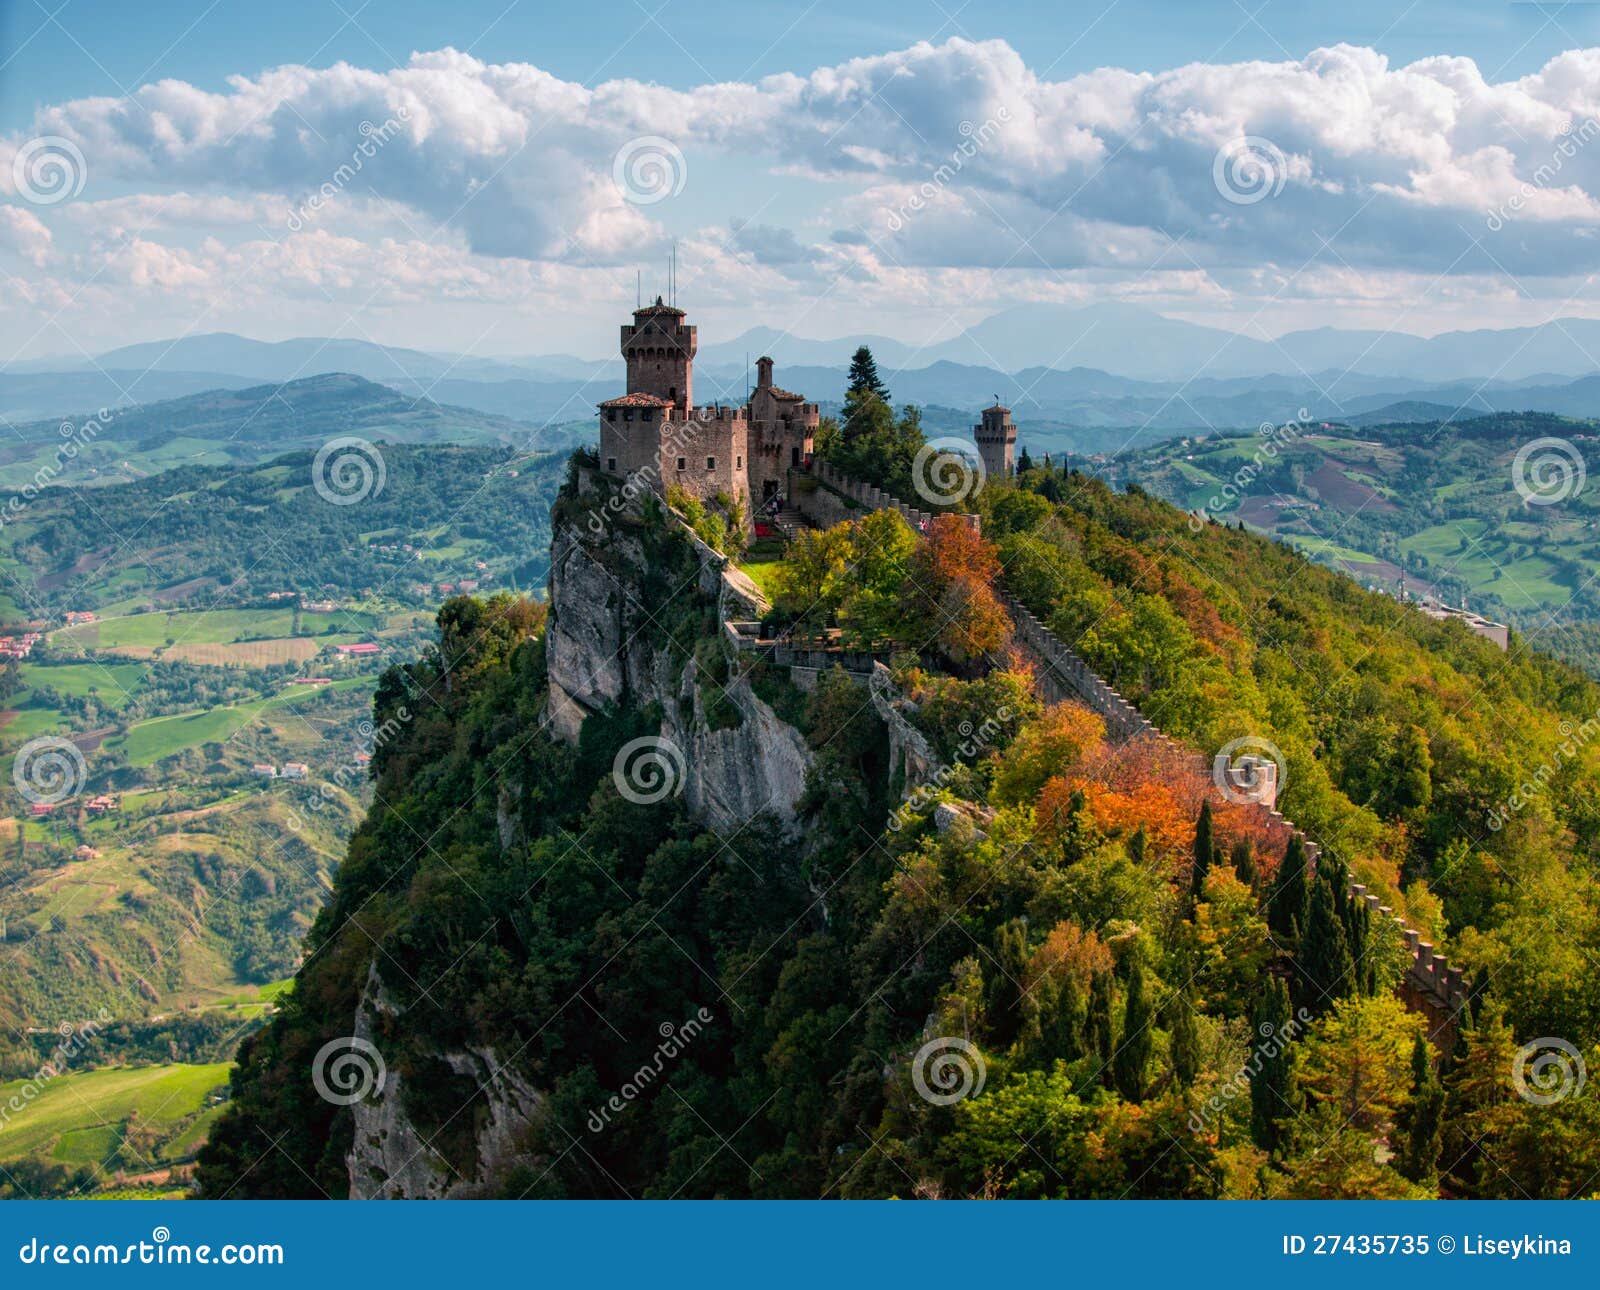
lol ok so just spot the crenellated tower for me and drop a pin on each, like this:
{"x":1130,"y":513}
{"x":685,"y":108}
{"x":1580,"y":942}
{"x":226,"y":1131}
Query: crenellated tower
{"x":997,"y":442}
{"x":659,"y":349}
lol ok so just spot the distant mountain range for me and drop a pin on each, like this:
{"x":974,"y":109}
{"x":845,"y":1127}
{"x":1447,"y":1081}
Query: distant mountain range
{"x":1062,"y":369}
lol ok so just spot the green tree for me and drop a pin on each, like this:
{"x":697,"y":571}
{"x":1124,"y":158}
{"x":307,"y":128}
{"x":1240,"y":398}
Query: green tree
{"x":1419,"y":1124}
{"x":1205,"y":845}
{"x":864,"y":375}
{"x":1185,"y":1039}
{"x":1243,"y":859}
{"x":1098,"y":1024}
{"x":1132,"y":1058}
{"x":1286,"y":901}
{"x":1274,"y":1087}
{"x":1326,"y":970}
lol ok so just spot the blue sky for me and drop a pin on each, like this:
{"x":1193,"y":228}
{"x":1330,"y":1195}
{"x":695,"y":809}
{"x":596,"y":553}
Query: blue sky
{"x":453,"y":175}
{"x":103,"y":46}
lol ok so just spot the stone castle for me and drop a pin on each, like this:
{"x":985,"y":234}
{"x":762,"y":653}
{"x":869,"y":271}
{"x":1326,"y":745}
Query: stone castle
{"x":656,"y":429}
{"x":656,"y":432}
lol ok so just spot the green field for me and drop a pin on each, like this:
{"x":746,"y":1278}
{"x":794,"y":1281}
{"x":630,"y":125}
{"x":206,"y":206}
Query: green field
{"x":80,"y":1119}
{"x":145,"y":742}
{"x":206,"y":627}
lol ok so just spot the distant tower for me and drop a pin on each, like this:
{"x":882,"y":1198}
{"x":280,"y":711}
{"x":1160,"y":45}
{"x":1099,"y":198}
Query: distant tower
{"x":659,"y":350}
{"x":997,"y":441}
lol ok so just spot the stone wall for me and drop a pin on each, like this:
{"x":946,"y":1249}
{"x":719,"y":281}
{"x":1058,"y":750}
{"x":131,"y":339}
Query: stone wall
{"x":1064,"y":675}
{"x":823,"y":495}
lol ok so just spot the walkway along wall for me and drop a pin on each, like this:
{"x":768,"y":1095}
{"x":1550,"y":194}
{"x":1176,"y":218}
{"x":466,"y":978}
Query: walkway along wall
{"x":1430,"y":980}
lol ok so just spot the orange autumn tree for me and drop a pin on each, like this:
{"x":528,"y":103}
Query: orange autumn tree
{"x":949,"y":595}
{"x":1067,"y":737}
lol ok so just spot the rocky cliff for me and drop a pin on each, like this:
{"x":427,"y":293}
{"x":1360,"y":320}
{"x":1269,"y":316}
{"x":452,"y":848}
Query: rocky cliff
{"x":634,"y":626}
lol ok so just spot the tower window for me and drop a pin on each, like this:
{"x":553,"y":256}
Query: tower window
{"x":644,"y":414}
{"x":711,"y":463}
{"x":683,"y":463}
{"x":611,"y":414}
{"x":738,"y":463}
{"x":611,"y":464}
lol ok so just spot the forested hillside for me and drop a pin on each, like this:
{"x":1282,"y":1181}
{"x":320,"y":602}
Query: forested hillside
{"x":1495,"y":512}
{"x":1062,"y":967}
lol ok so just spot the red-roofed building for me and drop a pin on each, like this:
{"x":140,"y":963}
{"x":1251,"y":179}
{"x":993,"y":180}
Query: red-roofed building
{"x":365,"y":647}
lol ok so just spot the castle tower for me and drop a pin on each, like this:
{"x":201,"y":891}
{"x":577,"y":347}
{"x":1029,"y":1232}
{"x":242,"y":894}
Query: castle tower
{"x":660,"y":350}
{"x":997,"y":441}
{"x":783,"y":428}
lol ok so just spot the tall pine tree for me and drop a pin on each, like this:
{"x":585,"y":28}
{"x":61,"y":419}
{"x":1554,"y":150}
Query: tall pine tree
{"x":1286,"y":901}
{"x":864,"y":375}
{"x":1419,"y":1125}
{"x":1326,"y":970}
{"x":1185,"y":1039}
{"x":1205,"y":844}
{"x":1132,"y":1057}
{"x":1098,"y":1024}
{"x":1244,"y":862}
{"x":1274,"y":1092}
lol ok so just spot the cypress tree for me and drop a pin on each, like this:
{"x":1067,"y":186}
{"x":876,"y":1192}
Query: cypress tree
{"x":1286,"y":902}
{"x":1136,"y":846}
{"x":1003,"y":991}
{"x":1061,"y":1021}
{"x":864,"y":375}
{"x":1185,"y":1039}
{"x":1419,"y":1125}
{"x":1133,"y":1054}
{"x":1244,"y":862}
{"x":1274,"y":1092}
{"x":1097,"y":1025}
{"x":1024,"y":462}
{"x":1204,"y":846}
{"x":1326,"y":969}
